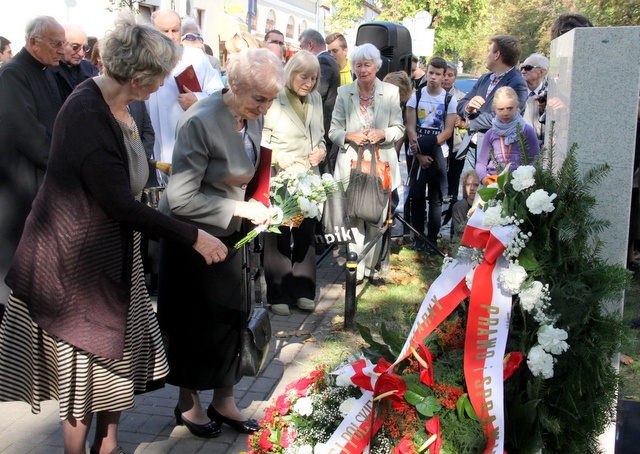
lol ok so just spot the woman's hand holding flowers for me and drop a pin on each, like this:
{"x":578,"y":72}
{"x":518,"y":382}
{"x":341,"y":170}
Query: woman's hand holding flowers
{"x":254,"y":211}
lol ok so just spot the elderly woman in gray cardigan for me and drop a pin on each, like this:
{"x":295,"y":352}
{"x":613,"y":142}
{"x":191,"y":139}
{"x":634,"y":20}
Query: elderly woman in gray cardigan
{"x":367,"y":111}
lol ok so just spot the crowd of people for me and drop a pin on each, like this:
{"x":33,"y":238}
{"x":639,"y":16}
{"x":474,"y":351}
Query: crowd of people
{"x":88,"y":126}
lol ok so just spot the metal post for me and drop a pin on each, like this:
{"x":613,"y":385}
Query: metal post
{"x":350,"y":291}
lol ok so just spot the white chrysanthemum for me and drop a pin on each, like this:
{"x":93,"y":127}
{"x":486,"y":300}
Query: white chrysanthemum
{"x":540,"y":363}
{"x":512,"y":278}
{"x":303,"y":406}
{"x":553,"y":339}
{"x":540,"y":201}
{"x":307,"y":207}
{"x":346,"y":406}
{"x":522,"y":177}
{"x":343,"y":380}
{"x":530,"y":297}
{"x":493,"y":216}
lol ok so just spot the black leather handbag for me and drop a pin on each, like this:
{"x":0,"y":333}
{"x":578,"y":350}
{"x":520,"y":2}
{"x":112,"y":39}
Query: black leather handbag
{"x":255,"y":332}
{"x":254,"y":342}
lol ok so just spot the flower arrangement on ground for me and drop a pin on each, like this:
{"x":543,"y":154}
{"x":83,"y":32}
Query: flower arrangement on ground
{"x":294,"y":195}
{"x":511,"y":349}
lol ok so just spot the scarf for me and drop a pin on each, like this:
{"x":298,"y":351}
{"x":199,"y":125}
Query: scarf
{"x":508,"y":130}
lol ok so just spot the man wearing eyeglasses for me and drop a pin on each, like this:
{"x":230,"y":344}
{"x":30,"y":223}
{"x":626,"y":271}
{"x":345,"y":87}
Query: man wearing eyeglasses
{"x":534,"y":72}
{"x":274,"y":40}
{"x":73,"y":68}
{"x":29,"y":103}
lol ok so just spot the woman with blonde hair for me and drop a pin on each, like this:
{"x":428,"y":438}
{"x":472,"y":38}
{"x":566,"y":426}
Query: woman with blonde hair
{"x":293,"y":129}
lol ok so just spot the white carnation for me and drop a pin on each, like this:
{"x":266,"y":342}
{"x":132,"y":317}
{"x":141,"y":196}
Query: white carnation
{"x":343,"y":380}
{"x":540,"y":363}
{"x":512,"y":278}
{"x":303,"y":406}
{"x":540,"y":201}
{"x":493,"y":216}
{"x":346,"y":406}
{"x":553,"y":339}
{"x":523,"y":177}
{"x":321,"y":448}
{"x":530,"y":297}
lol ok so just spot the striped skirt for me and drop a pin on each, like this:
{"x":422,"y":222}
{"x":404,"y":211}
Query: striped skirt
{"x":36,"y":366}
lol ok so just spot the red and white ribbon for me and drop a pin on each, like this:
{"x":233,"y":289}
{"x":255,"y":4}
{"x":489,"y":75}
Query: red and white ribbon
{"x":486,"y":333}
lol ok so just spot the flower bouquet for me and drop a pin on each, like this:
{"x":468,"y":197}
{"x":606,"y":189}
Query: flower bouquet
{"x":293,"y":195}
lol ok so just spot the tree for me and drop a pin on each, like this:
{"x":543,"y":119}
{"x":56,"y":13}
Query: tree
{"x":120,"y":4}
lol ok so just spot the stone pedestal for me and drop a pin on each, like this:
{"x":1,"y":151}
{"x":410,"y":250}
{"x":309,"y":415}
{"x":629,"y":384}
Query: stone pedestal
{"x":594,"y":78}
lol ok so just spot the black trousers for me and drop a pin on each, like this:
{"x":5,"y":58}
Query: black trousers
{"x":290,"y":263}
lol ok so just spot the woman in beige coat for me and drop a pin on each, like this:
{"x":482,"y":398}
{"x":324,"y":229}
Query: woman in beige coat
{"x":367,"y":111}
{"x":293,"y":129}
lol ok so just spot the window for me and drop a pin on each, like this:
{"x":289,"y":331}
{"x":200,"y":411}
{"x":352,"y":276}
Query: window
{"x":291,"y":26}
{"x":271,"y":21}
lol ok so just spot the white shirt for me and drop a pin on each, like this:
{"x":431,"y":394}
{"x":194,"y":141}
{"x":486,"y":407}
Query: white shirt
{"x":431,"y":114}
{"x":164,"y":109}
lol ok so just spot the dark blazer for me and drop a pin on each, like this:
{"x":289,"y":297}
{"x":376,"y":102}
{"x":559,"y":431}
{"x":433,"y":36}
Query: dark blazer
{"x":140,"y":115}
{"x":73,"y":264}
{"x":484,"y":121}
{"x":65,"y":80}
{"x":328,"y":87}
{"x":29,"y":103}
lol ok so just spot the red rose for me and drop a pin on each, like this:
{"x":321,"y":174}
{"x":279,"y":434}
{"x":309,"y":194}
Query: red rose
{"x":265,"y":444}
{"x":511,"y":363}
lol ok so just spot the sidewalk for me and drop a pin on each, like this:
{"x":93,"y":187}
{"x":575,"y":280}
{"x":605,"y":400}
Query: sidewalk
{"x":150,"y":428}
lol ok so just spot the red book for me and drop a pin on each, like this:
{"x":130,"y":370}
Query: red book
{"x":188,"y":78}
{"x":258,"y":187}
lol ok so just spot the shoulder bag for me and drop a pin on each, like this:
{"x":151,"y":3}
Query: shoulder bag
{"x":368,"y":193}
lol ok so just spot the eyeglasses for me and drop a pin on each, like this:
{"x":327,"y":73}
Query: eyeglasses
{"x":55,"y":43}
{"x":528,"y":67}
{"x":78,"y":47}
{"x":192,"y":37}
{"x":275,"y":41}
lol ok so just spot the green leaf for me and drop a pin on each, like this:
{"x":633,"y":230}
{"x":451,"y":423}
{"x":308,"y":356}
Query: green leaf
{"x":376,"y":347}
{"x":463,"y":406}
{"x":527,"y":260}
{"x":394,"y":340}
{"x":487,"y":194}
{"x":503,"y":177}
{"x":274,"y":229}
{"x":426,"y":405}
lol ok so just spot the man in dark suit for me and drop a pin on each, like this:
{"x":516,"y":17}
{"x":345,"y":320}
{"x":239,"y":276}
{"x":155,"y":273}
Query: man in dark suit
{"x":502,"y":60}
{"x":73,"y":68}
{"x":313,"y":41}
{"x":29,"y":104}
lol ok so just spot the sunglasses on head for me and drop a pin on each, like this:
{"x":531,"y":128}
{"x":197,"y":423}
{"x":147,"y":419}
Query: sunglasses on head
{"x":528,"y":67}
{"x":77,"y":47}
{"x":192,"y":37}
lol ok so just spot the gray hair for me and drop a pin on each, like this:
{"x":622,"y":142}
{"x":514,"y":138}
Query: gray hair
{"x":539,"y":60}
{"x":314,"y":36}
{"x":137,"y":51}
{"x":39,"y":26}
{"x":452,"y":65}
{"x":254,"y":68}
{"x":366,"y":51}
{"x":189,"y":23}
{"x":303,"y":62}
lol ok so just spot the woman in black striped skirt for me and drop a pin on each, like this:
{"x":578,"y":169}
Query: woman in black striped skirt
{"x":79,"y":326}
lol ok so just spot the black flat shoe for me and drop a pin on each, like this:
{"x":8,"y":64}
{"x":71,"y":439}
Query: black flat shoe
{"x":208,"y":430}
{"x":244,"y":427}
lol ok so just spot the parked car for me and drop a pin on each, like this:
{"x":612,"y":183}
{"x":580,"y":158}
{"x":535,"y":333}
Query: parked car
{"x":465,"y":82}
